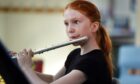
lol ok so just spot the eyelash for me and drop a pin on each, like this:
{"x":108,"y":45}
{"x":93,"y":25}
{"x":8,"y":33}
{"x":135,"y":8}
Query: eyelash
{"x":66,"y":23}
{"x":74,"y":21}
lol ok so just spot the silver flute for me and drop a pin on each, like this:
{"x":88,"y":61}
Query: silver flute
{"x":59,"y":45}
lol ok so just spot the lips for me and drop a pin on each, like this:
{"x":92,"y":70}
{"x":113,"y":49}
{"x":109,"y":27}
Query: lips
{"x":74,"y":37}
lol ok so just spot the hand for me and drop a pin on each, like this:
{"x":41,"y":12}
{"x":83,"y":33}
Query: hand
{"x":25,"y":59}
{"x":12,"y":53}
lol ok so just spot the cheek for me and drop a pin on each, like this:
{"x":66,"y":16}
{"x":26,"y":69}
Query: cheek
{"x":86,"y":29}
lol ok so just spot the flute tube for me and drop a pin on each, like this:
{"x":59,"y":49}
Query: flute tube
{"x":59,"y":45}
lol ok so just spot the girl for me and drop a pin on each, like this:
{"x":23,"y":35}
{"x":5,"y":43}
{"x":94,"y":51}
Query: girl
{"x":89,"y":64}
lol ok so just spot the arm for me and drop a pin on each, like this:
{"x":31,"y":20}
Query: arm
{"x":45,"y":77}
{"x":32,"y":76}
{"x":25,"y":62}
{"x":50,"y":78}
{"x":60,"y":73}
{"x":74,"y":77}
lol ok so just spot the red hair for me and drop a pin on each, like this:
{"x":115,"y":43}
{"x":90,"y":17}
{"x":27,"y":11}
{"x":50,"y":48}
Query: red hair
{"x":103,"y":40}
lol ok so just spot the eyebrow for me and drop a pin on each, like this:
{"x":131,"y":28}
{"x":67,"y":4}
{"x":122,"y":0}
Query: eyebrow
{"x":74,"y":18}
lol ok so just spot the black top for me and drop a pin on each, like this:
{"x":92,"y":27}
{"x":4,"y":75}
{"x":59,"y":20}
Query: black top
{"x":93,"y":64}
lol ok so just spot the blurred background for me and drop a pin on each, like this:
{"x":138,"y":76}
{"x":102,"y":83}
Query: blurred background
{"x":38,"y":24}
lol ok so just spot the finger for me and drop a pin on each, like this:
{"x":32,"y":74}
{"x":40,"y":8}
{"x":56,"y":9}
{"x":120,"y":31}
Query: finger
{"x":30,"y":52}
{"x":21,"y":54}
{"x":12,"y":53}
{"x":18,"y":55}
{"x":24,"y":51}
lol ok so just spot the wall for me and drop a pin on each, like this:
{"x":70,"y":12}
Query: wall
{"x":37,"y":31}
{"x":2,"y":26}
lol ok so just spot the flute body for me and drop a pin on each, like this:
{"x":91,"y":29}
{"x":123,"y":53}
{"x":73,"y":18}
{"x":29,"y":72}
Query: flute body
{"x":59,"y":45}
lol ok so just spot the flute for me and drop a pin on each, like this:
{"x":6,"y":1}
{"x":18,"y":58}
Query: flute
{"x":59,"y":45}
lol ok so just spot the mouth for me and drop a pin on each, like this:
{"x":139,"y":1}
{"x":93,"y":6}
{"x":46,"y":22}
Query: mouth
{"x":74,"y":37}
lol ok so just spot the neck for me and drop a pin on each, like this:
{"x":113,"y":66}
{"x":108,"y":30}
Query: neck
{"x":89,"y":46}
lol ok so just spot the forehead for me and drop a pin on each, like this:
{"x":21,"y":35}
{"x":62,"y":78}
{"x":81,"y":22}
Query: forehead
{"x":72,"y":14}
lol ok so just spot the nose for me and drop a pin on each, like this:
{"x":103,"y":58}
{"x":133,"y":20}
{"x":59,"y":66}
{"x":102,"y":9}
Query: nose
{"x":70,"y":29}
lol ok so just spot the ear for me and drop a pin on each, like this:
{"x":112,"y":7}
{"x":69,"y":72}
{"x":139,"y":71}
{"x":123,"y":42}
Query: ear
{"x":94,"y":26}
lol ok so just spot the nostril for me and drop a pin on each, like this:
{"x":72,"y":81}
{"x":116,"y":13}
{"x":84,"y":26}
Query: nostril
{"x":71,"y":30}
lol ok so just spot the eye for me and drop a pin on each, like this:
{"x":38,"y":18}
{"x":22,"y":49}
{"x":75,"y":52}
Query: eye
{"x":76,"y":21}
{"x":66,"y":24}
